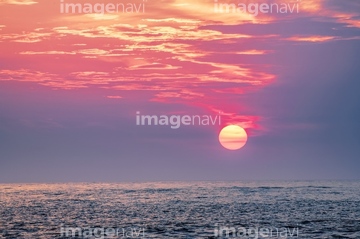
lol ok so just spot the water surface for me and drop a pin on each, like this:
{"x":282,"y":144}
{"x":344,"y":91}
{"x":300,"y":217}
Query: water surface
{"x":324,"y":209}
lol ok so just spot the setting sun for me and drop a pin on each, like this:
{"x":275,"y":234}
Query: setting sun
{"x":232,"y":137}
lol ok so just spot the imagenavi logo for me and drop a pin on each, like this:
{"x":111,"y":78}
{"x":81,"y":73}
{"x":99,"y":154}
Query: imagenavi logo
{"x":175,"y":121}
{"x":254,"y":8}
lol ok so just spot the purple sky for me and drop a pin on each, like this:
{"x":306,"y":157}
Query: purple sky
{"x":70,"y":85}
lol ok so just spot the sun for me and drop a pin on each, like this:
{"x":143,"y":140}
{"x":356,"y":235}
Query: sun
{"x":232,"y":137}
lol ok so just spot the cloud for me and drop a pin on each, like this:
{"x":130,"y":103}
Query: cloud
{"x":311,"y":38}
{"x":41,"y":78}
{"x":174,"y":52}
{"x":154,"y":66}
{"x":114,"y":97}
{"x":30,"y":37}
{"x":18,"y":2}
{"x":46,"y":53}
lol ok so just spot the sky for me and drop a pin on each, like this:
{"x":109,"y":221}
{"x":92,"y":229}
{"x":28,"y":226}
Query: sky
{"x":71,"y":84}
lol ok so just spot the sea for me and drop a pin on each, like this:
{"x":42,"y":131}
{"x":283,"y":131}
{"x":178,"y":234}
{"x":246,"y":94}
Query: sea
{"x":251,"y":209}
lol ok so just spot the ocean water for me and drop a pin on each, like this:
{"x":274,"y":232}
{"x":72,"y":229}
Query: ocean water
{"x":293,"y":209}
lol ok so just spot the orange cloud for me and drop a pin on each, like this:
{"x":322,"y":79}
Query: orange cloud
{"x":18,"y":2}
{"x":311,"y":38}
{"x":173,"y":53}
